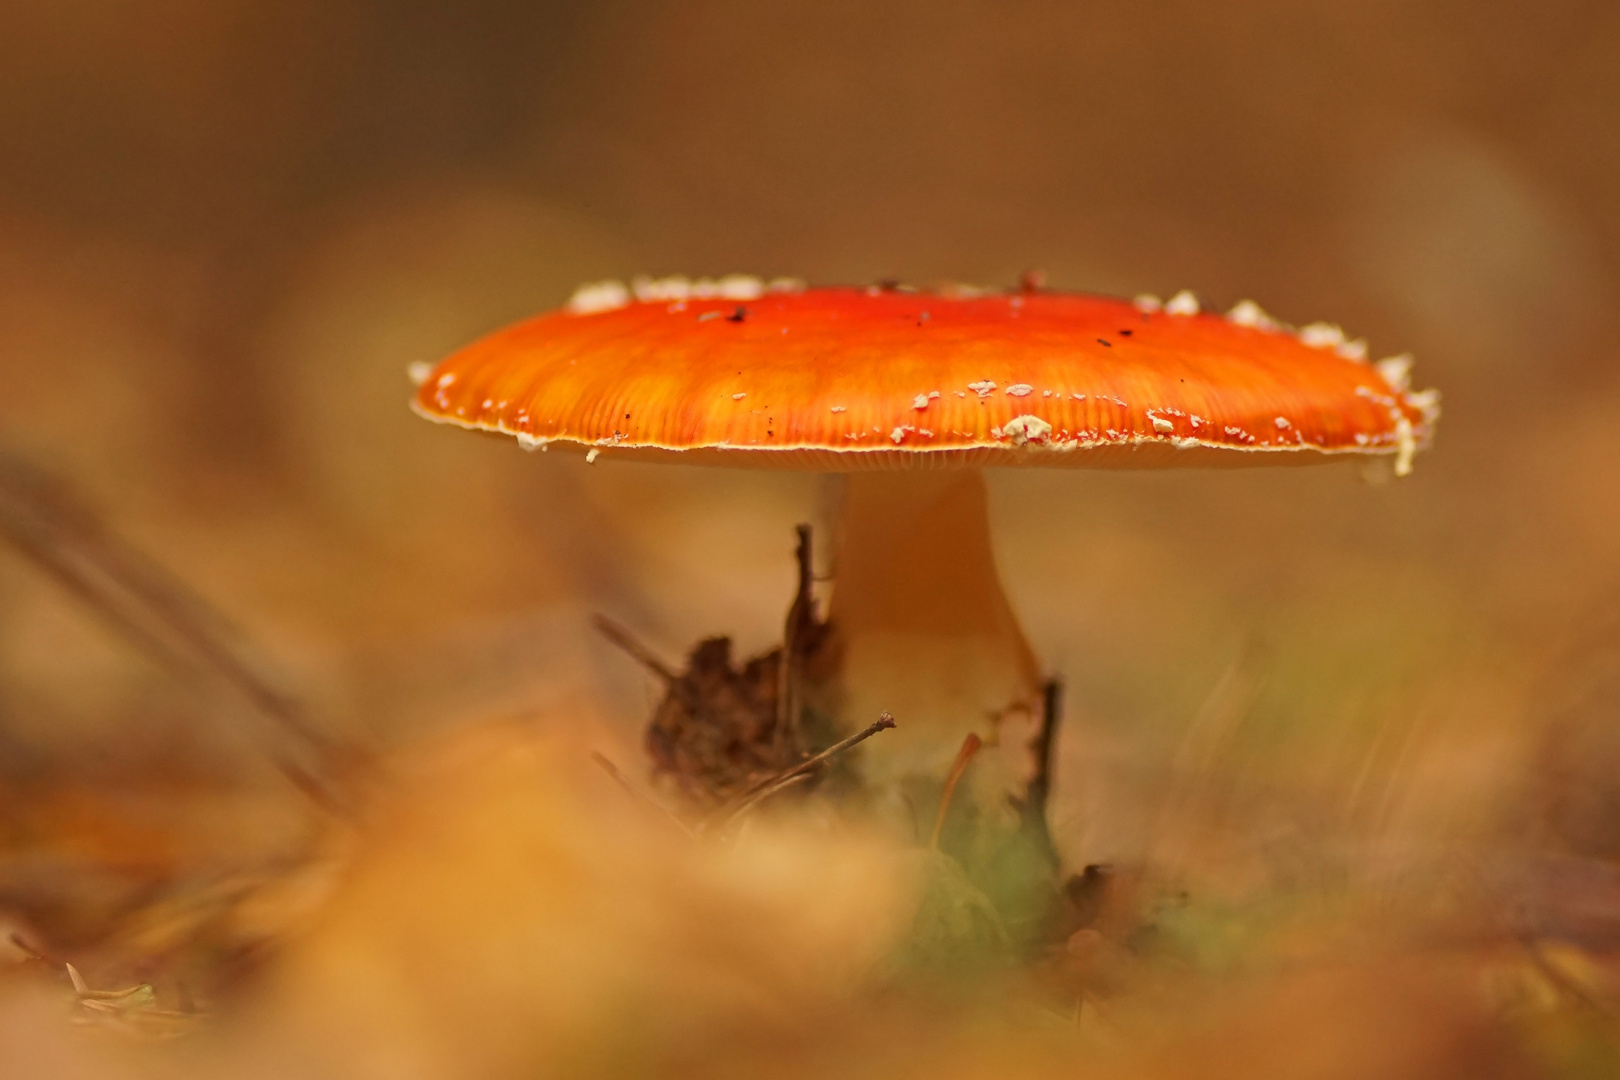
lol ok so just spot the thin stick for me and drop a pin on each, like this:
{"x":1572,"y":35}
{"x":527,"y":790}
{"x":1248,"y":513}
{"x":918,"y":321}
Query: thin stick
{"x":635,"y":649}
{"x":801,"y":617}
{"x":674,"y":684}
{"x":640,"y":797}
{"x":831,"y":750}
{"x":775,"y":788}
{"x":152,"y":607}
{"x":1040,"y":788}
{"x":773,"y":784}
{"x":33,"y":953}
{"x":970,"y":746}
{"x":1032,"y":807}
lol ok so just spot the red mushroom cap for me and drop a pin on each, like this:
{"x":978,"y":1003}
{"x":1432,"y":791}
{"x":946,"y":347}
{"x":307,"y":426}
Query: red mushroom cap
{"x":841,"y":379}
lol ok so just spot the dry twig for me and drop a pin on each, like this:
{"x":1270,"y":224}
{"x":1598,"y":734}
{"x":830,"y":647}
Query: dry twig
{"x":634,"y":649}
{"x":772,"y":784}
{"x":640,"y":797}
{"x":970,"y":746}
{"x":796,"y":634}
{"x":155,"y":610}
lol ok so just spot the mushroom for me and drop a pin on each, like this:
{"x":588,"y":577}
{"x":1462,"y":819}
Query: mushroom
{"x":912,"y":394}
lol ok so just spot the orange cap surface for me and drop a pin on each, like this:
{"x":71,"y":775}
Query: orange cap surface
{"x":842,"y":379}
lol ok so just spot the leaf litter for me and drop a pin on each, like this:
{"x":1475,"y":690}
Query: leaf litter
{"x":491,"y":902}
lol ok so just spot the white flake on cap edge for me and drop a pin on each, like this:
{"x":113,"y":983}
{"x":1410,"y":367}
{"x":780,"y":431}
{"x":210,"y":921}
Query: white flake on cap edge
{"x":1183,"y":303}
{"x":1026,"y":429}
{"x":598,"y":296}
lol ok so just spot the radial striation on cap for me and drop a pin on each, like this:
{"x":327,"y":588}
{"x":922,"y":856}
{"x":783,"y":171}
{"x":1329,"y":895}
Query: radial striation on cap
{"x":842,"y":379}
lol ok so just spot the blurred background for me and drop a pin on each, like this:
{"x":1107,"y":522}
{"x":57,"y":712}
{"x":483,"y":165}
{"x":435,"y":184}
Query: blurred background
{"x":227,"y":227}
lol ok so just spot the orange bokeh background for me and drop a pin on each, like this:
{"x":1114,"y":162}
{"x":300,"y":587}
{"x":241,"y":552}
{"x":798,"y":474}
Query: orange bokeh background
{"x":228,"y":226}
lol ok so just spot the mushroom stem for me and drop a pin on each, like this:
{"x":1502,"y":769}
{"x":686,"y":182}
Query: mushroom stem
{"x":922,"y":628}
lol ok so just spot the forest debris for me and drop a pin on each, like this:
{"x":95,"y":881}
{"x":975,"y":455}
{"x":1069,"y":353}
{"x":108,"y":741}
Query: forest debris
{"x":1032,"y":807}
{"x":770,"y":786}
{"x":714,"y":733}
{"x":970,"y":746}
{"x":722,"y":730}
{"x":799,"y":631}
{"x":638,"y":652}
{"x":640,"y":797}
{"x":133,"y":1010}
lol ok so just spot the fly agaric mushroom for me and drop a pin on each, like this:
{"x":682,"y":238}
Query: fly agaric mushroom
{"x":912,"y":394}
